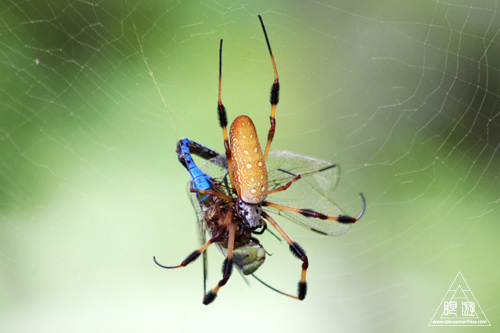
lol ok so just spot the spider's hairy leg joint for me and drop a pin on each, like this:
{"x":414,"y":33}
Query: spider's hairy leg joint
{"x":192,"y":257}
{"x":221,"y":111}
{"x":311,"y":213}
{"x":227,"y":269}
{"x":275,"y":93}
{"x":209,"y":298}
{"x":346,"y":219}
{"x":298,"y":251}
{"x":302,"y":290}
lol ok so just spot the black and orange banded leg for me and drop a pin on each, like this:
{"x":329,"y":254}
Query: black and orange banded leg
{"x":212,"y":193}
{"x":221,"y":112}
{"x":228,"y":263}
{"x":286,"y":186}
{"x":298,"y":252}
{"x":275,"y":93}
{"x":314,"y":214}
{"x":195,"y":254}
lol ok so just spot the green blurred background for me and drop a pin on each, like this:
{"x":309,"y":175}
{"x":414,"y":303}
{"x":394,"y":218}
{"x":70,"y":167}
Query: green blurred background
{"x":94,"y":95}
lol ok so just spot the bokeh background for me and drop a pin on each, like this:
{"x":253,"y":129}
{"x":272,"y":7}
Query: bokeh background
{"x":94,"y":95}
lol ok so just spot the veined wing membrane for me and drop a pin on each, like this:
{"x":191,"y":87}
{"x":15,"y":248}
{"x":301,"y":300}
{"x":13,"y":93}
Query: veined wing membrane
{"x":308,"y":192}
{"x":282,"y":166}
{"x":302,"y":195}
{"x":200,"y":216}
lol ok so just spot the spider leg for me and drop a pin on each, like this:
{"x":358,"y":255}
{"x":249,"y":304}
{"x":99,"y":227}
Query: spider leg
{"x":228,"y":263}
{"x":312,"y":213}
{"x":221,"y":111}
{"x":297,"y":251}
{"x":275,"y":93}
{"x":214,"y":194}
{"x":261,"y":231}
{"x":194,"y":255}
{"x":274,"y":289}
{"x":286,"y":186}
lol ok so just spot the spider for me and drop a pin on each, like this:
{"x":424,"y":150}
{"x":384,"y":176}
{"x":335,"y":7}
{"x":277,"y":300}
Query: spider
{"x":230,"y":196}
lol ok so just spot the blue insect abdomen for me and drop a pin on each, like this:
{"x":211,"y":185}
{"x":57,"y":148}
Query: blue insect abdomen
{"x":201,"y":180}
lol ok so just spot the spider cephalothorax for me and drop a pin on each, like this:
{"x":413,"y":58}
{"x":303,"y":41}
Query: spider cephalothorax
{"x":250,"y":213}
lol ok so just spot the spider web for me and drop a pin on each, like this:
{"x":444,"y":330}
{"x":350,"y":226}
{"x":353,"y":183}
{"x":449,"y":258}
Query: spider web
{"x":404,"y":95}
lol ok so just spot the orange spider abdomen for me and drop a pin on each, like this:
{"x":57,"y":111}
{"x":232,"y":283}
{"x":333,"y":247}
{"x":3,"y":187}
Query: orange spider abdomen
{"x":247,"y":160}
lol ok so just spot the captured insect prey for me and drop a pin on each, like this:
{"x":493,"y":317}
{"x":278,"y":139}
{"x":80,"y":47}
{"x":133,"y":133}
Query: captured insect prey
{"x":229,"y":194}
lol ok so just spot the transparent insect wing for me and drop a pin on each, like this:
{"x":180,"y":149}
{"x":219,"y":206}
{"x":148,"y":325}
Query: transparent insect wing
{"x":217,"y":169}
{"x":308,"y":192}
{"x":200,"y":212}
{"x":301,"y":194}
{"x":283,"y":165}
{"x":200,"y":216}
